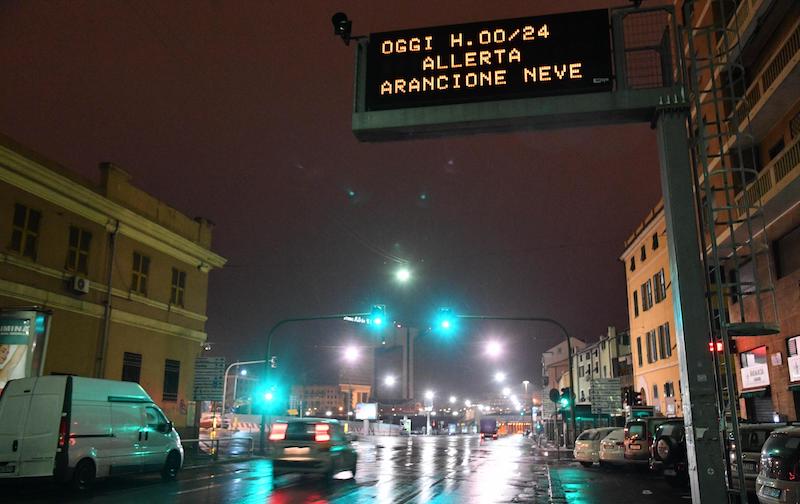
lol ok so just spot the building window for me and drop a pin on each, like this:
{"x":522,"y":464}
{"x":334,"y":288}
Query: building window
{"x":667,"y":339}
{"x":141,"y":269}
{"x":661,"y":286}
{"x":635,"y":303}
{"x":78,"y":253}
{"x":25,"y":231}
{"x":647,"y":295}
{"x":649,"y":348}
{"x":633,"y":264}
{"x":580,"y":372}
{"x":655,"y":241}
{"x":172,"y":372}
{"x":178,"y":287}
{"x":639,"y":349}
{"x":787,"y":253}
{"x":655,"y":391}
{"x":605,"y":371}
{"x":131,"y":367}
{"x":662,"y":350}
{"x":776,"y":149}
{"x":643,"y":254}
{"x":669,"y":389}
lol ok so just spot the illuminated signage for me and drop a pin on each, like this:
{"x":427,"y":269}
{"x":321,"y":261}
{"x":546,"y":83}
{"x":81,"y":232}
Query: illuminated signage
{"x":495,"y":60}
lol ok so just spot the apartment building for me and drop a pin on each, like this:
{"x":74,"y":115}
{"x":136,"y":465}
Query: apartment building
{"x":761,"y":130}
{"x":656,"y":374}
{"x":121,"y":276}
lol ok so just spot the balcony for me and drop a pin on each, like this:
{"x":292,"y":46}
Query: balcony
{"x":774,"y":90}
{"x":781,"y":173}
{"x":745,"y":21}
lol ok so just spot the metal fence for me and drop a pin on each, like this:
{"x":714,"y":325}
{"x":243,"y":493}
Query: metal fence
{"x":204,"y":451}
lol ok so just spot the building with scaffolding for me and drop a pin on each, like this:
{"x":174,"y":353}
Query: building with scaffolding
{"x":742,"y":64}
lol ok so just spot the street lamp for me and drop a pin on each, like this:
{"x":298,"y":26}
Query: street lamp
{"x":389,"y":381}
{"x":403,"y":275}
{"x":351,"y":354}
{"x":506,"y":391}
{"x":468,"y":403}
{"x":429,"y":395}
{"x":493,"y":349}
{"x":500,"y":377}
{"x":453,"y":399}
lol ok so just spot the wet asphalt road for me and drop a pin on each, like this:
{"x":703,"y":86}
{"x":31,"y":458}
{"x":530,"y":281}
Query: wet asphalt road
{"x":438,"y":469}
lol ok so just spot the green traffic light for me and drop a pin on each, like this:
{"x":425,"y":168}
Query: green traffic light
{"x":268,"y":396}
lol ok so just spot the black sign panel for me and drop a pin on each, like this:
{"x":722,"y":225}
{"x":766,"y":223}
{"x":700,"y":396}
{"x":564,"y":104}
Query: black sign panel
{"x":493,"y":60}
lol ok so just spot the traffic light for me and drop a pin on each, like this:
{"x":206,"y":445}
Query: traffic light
{"x":637,"y":399}
{"x":566,"y":398}
{"x":445,"y":321}
{"x":719,"y":347}
{"x":377,"y":316}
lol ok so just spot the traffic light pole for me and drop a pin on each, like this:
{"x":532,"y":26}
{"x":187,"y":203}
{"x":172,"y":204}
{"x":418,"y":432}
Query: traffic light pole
{"x":267,"y":360}
{"x":569,"y":353}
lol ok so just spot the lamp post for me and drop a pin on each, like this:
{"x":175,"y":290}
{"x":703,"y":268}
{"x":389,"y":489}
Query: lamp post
{"x":225,"y":380}
{"x":268,"y":357}
{"x":429,"y":396}
{"x":547,"y":321}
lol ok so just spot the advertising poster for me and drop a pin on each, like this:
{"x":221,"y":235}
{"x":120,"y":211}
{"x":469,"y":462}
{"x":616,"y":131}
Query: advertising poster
{"x":23,"y":339}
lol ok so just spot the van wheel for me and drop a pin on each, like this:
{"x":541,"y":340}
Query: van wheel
{"x":84,"y":475}
{"x":171,"y":466}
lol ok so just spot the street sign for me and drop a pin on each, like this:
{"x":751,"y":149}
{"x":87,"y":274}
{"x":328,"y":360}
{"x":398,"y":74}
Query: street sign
{"x":490,"y":60}
{"x":209,"y":378}
{"x":606,"y":396}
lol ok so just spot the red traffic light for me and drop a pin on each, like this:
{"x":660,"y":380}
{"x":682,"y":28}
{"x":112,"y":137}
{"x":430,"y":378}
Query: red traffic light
{"x":712,"y":345}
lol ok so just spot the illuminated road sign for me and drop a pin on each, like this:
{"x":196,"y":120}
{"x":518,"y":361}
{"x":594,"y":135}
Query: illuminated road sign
{"x":493,"y":60}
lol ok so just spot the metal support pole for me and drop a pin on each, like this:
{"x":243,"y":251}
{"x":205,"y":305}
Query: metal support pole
{"x":569,"y":356}
{"x":703,"y":444}
{"x":261,"y":436}
{"x":225,"y":380}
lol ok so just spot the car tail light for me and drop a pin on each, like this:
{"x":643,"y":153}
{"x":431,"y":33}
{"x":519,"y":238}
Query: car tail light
{"x":62,"y":432}
{"x":278,"y":432}
{"x":322,"y":432}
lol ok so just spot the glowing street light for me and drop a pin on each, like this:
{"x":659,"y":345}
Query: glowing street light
{"x":500,"y":377}
{"x":506,"y":391}
{"x":468,"y":403}
{"x":453,"y":399}
{"x":403,"y":275}
{"x":493,"y":349}
{"x":389,"y":381}
{"x":429,"y":395}
{"x":351,"y":354}
{"x":243,"y":372}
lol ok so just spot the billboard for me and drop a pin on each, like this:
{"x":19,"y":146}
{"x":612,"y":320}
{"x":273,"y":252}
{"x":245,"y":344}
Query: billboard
{"x":23,"y":342}
{"x":491,"y":60}
{"x":367,"y":411}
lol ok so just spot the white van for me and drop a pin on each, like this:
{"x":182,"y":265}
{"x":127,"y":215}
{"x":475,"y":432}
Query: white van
{"x":77,"y":429}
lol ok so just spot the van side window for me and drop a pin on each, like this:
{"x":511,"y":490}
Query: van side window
{"x":155,"y":419}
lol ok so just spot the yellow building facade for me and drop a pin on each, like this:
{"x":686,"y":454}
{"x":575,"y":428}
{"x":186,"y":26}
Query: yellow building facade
{"x":124,"y":276}
{"x":656,"y":374}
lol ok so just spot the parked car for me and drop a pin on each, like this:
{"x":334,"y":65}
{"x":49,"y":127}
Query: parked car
{"x":612,"y":448}
{"x":311,"y":446}
{"x":587,"y":445}
{"x":639,"y":438}
{"x":79,"y":429}
{"x":668,"y":452}
{"x":778,"y":480}
{"x":752,"y":438}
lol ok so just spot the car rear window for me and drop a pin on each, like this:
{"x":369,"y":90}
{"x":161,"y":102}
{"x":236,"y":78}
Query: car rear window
{"x":782,"y":445}
{"x":636,"y":429}
{"x":674,"y":430}
{"x":753,"y":440}
{"x":616,"y":434}
{"x":300,"y":431}
{"x":586,"y":436}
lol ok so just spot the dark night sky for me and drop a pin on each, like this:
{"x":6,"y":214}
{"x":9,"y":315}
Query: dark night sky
{"x":240,"y":112}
